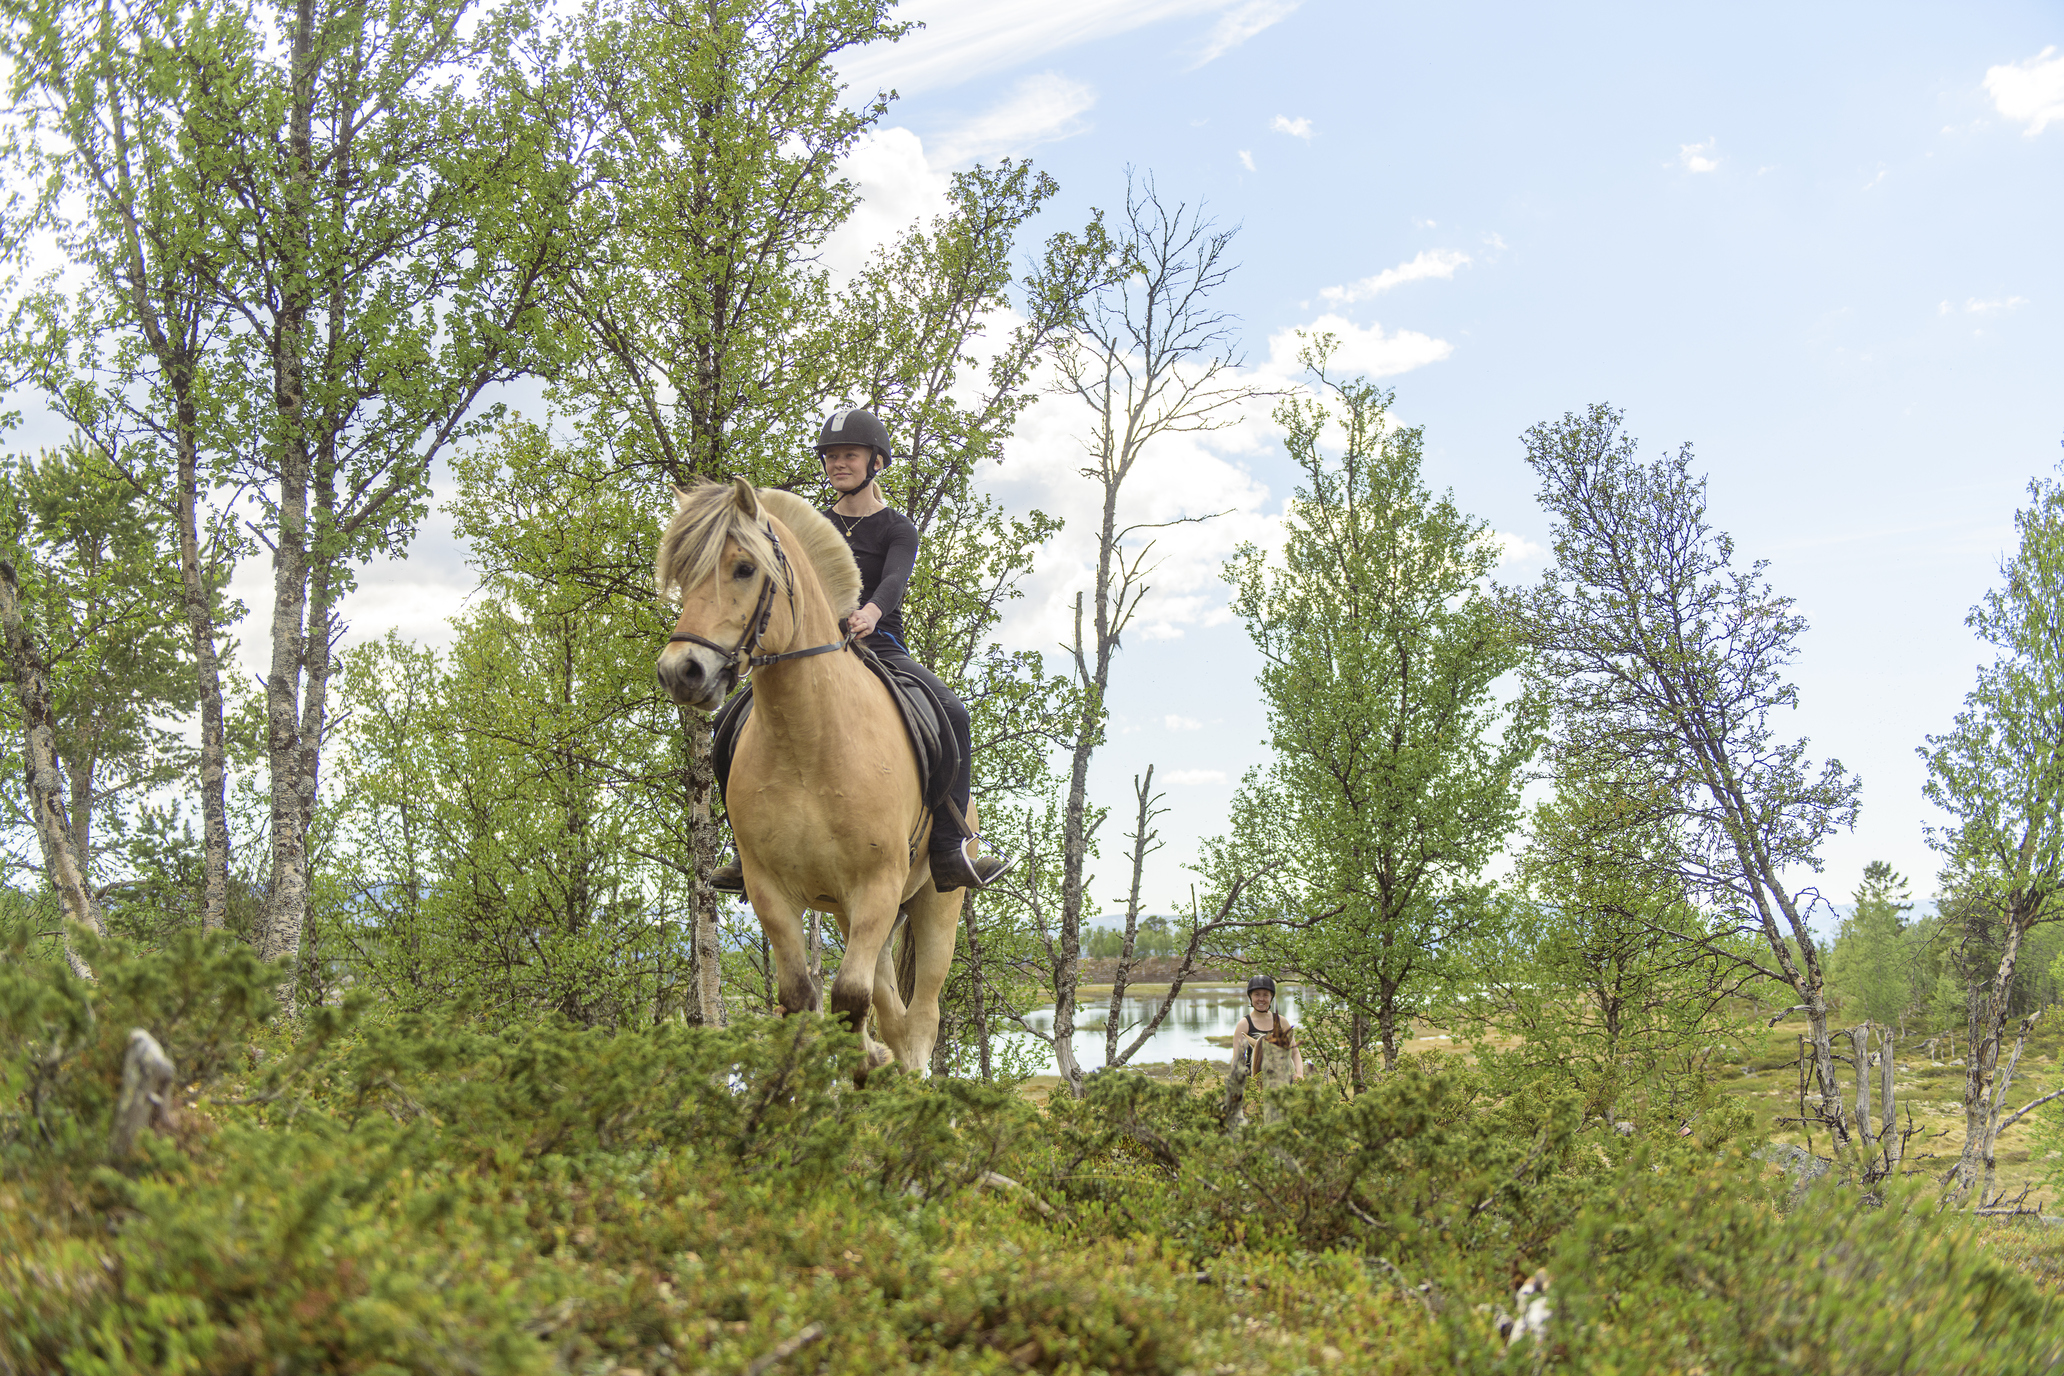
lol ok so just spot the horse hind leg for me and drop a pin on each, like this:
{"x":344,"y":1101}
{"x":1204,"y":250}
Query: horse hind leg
{"x":888,"y":997}
{"x":918,"y":976}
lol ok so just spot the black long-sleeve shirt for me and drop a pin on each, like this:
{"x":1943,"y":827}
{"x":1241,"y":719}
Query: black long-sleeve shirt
{"x":885,"y":547}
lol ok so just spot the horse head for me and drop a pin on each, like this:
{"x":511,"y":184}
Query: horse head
{"x":731,"y":578}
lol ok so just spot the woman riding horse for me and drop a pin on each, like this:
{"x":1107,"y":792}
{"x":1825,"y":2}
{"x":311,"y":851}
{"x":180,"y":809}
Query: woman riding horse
{"x":824,"y":794}
{"x":854,"y":448}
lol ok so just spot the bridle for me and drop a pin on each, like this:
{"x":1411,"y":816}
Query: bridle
{"x":741,"y":656}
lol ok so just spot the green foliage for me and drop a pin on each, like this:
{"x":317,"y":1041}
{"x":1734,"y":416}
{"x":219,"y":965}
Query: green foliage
{"x":1878,"y":966}
{"x":419,"y":1194}
{"x":100,"y":591}
{"x":1398,"y":771}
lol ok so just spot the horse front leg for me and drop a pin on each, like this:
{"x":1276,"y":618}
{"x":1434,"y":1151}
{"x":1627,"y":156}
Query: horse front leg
{"x":870,"y":917}
{"x":782,"y":922}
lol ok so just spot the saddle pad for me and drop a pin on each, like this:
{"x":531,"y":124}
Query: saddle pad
{"x":924,"y":721}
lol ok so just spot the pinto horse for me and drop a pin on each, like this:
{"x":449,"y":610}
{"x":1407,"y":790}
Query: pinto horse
{"x":824,"y":795}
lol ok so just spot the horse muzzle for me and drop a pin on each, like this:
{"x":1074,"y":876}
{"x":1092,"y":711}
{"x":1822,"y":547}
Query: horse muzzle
{"x":696,"y":677}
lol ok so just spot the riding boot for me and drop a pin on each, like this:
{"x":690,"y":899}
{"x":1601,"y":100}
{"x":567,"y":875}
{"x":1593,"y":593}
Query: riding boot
{"x":729,"y":879}
{"x":958,"y":867}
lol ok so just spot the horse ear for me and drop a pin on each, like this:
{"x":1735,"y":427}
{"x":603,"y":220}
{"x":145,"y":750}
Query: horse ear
{"x":747,"y":499}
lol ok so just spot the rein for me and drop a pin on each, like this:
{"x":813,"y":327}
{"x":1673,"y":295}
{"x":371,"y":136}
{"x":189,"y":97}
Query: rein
{"x":741,"y":654}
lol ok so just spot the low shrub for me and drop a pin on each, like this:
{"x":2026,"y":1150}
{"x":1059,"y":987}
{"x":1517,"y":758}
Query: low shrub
{"x":421,"y":1194}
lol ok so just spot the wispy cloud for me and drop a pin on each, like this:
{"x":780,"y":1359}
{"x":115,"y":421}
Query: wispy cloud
{"x":1358,"y":349}
{"x":2030,"y":92}
{"x":1299,"y":128}
{"x":1698,"y":157}
{"x":1999,"y":305}
{"x":1039,"y":109}
{"x":1240,"y":23}
{"x":1438,"y":262}
{"x":962,"y":42}
{"x":1176,"y":723}
{"x":1246,"y":160}
{"x":1196,"y":776}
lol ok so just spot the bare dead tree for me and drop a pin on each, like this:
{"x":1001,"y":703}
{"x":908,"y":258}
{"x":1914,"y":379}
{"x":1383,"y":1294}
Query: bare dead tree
{"x":1150,"y":356}
{"x":1145,"y":841}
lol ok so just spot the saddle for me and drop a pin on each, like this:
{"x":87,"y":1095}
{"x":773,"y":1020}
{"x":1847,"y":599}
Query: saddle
{"x":924,"y":721}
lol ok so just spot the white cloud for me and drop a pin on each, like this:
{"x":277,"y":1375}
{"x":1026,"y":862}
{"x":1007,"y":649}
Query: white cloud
{"x":1360,"y":350}
{"x":1299,"y":128}
{"x":1440,"y":262}
{"x":1246,"y":160}
{"x":1514,"y":549}
{"x":1179,"y":475}
{"x":1040,"y":109}
{"x":1240,"y":23}
{"x":1184,"y":777}
{"x":978,"y":38}
{"x":1697,"y":157}
{"x":1176,"y":723}
{"x":2030,"y":92}
{"x":2001,"y":304}
{"x":896,"y":187}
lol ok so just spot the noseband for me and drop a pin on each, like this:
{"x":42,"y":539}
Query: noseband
{"x":741,"y":656}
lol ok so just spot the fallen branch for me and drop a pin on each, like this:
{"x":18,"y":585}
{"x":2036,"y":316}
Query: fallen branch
{"x":996,"y":1181}
{"x":782,"y":1351}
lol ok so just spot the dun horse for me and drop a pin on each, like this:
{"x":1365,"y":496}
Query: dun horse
{"x":824,"y":796}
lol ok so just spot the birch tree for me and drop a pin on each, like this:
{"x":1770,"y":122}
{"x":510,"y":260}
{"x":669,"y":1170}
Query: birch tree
{"x":1149,"y":356}
{"x":1659,"y":653}
{"x":1999,"y":773}
{"x":132,"y":356}
{"x":1380,"y":641}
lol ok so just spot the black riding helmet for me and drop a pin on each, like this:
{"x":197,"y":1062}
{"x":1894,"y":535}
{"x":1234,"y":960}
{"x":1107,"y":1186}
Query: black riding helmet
{"x":1262,"y":982}
{"x":856,"y":425}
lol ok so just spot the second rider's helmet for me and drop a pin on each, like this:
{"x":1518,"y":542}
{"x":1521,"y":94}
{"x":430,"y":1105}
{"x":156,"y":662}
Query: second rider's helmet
{"x":856,"y":425}
{"x":1262,"y":982}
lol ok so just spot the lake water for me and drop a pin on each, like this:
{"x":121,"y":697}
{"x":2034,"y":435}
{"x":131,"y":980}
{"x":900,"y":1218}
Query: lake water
{"x":1200,"y":1014}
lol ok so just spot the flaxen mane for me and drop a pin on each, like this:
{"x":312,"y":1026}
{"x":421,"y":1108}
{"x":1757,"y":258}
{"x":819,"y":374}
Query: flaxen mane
{"x":707,"y":514}
{"x":823,"y":546}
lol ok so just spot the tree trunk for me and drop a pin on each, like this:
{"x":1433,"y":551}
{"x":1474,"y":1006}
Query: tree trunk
{"x":979,"y":993}
{"x":1859,"y":1043}
{"x":1067,"y":972}
{"x":1142,"y":846}
{"x":45,"y":773}
{"x":1986,"y":1009}
{"x":705,"y":839}
{"x":287,"y":907}
{"x":1357,"y":1040}
{"x":200,"y":624}
{"x":1386,"y":1027}
{"x":1888,"y":1135}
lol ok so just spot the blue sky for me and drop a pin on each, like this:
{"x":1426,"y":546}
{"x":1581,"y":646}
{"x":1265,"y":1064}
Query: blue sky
{"x":1818,"y":243}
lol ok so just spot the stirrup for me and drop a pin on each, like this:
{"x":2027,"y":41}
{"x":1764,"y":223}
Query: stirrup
{"x":957,"y":869}
{"x":729,"y":879}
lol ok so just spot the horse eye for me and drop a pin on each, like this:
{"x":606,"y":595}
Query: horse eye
{"x":744,"y":570}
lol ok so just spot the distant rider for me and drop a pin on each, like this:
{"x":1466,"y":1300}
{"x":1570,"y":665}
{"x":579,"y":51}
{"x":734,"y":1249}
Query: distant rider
{"x":854,"y":448}
{"x":1264,"y":1049}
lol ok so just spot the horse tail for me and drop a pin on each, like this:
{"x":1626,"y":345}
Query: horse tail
{"x":906,"y":956}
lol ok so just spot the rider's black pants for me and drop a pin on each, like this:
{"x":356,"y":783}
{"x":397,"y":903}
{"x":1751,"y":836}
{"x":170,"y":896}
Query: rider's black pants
{"x":947,"y":833}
